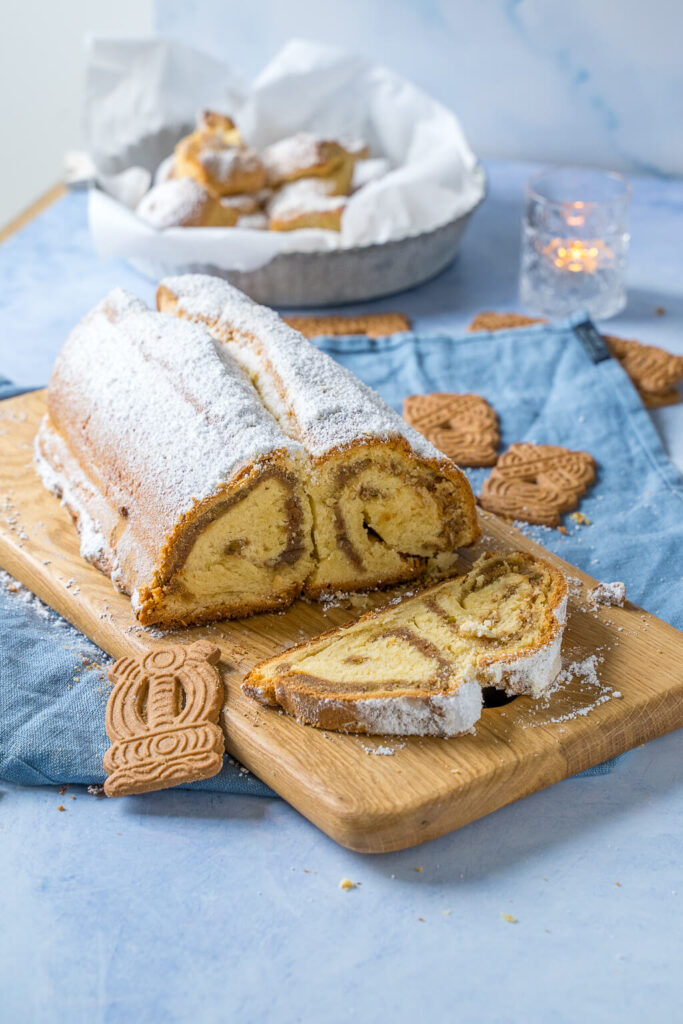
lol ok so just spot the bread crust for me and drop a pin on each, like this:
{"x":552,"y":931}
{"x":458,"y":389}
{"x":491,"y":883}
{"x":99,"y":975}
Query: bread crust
{"x":155,"y":432}
{"x":139,"y":506}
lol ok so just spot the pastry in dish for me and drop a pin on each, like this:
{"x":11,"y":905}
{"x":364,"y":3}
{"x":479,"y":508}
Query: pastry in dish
{"x":384,"y":500}
{"x":304,"y":155}
{"x":184,"y":203}
{"x":299,"y":182}
{"x":417,"y":667}
{"x":306,"y":203}
{"x":184,"y":489}
{"x":210,"y":122}
{"x":216,"y":157}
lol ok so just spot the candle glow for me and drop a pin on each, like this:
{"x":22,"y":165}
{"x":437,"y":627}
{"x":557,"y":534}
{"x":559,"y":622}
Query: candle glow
{"x":578,"y":256}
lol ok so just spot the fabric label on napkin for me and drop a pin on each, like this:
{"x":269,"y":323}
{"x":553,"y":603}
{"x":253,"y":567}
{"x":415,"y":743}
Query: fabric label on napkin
{"x":592,"y":341}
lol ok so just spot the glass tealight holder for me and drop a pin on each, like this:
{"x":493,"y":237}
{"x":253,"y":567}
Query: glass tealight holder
{"x":574,"y":242}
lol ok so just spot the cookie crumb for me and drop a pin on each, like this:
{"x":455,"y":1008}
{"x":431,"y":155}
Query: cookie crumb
{"x":580,"y":518}
{"x":61,"y":807}
{"x":96,"y":790}
{"x":347,"y":884}
{"x":509,"y":918}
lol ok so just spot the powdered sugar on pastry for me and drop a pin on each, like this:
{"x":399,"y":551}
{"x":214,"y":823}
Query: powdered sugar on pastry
{"x":223,"y":164}
{"x":200,"y":421}
{"x":291,"y":156}
{"x":309,"y":194}
{"x":326,"y":406}
{"x":170,"y":418}
{"x":178,"y":202}
{"x":442,"y":714}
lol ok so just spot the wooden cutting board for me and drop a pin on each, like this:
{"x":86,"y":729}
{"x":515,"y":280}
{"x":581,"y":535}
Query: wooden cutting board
{"x":349,"y":786}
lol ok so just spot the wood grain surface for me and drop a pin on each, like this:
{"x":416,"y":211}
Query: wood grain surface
{"x":365,"y":799}
{"x":32,"y":211}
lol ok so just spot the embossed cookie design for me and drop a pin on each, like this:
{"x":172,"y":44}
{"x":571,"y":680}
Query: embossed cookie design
{"x":162,"y":719}
{"x":654,"y":371}
{"x":463,"y":427}
{"x":537,"y":483}
{"x":372,"y":325}
{"x":502,"y":321}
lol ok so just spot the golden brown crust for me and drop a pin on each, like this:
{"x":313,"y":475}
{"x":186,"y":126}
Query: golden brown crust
{"x":152,"y":613}
{"x":463,"y":427}
{"x":537,"y":483}
{"x":371,"y":325}
{"x":222,"y":166}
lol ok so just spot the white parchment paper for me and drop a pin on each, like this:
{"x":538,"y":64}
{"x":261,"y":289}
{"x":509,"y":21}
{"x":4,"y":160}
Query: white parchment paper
{"x":142,"y":95}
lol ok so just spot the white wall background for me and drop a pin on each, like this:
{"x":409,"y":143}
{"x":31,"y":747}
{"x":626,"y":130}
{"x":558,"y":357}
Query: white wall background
{"x":40,"y":86}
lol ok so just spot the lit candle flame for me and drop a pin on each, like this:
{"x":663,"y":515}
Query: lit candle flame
{"x":577,"y":256}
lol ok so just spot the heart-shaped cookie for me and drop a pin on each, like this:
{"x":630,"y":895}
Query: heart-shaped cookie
{"x":537,"y":483}
{"x":463,"y":427}
{"x":654,"y":371}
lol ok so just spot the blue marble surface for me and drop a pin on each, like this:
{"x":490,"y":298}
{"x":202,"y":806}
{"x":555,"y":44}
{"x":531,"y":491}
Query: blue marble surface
{"x":191,"y":906}
{"x":586,"y":82}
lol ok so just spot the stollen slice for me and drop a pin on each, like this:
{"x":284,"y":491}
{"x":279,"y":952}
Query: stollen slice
{"x":418,"y":667}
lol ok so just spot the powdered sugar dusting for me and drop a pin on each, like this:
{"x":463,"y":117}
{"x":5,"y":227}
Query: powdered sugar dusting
{"x":25,"y":596}
{"x":442,"y":714}
{"x":610,"y":594}
{"x":330,"y":407}
{"x":224,"y":164}
{"x":175,"y":414}
{"x":585,"y":670}
{"x":93,"y":542}
{"x":291,"y":156}
{"x":177,"y":202}
{"x":308,"y":195}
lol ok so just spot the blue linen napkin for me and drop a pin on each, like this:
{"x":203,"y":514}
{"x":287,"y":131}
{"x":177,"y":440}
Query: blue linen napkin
{"x":549,"y":384}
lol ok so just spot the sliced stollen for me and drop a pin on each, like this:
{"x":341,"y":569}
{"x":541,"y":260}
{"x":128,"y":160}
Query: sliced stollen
{"x":384,"y":500}
{"x":184,"y":488}
{"x":417,"y":667}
